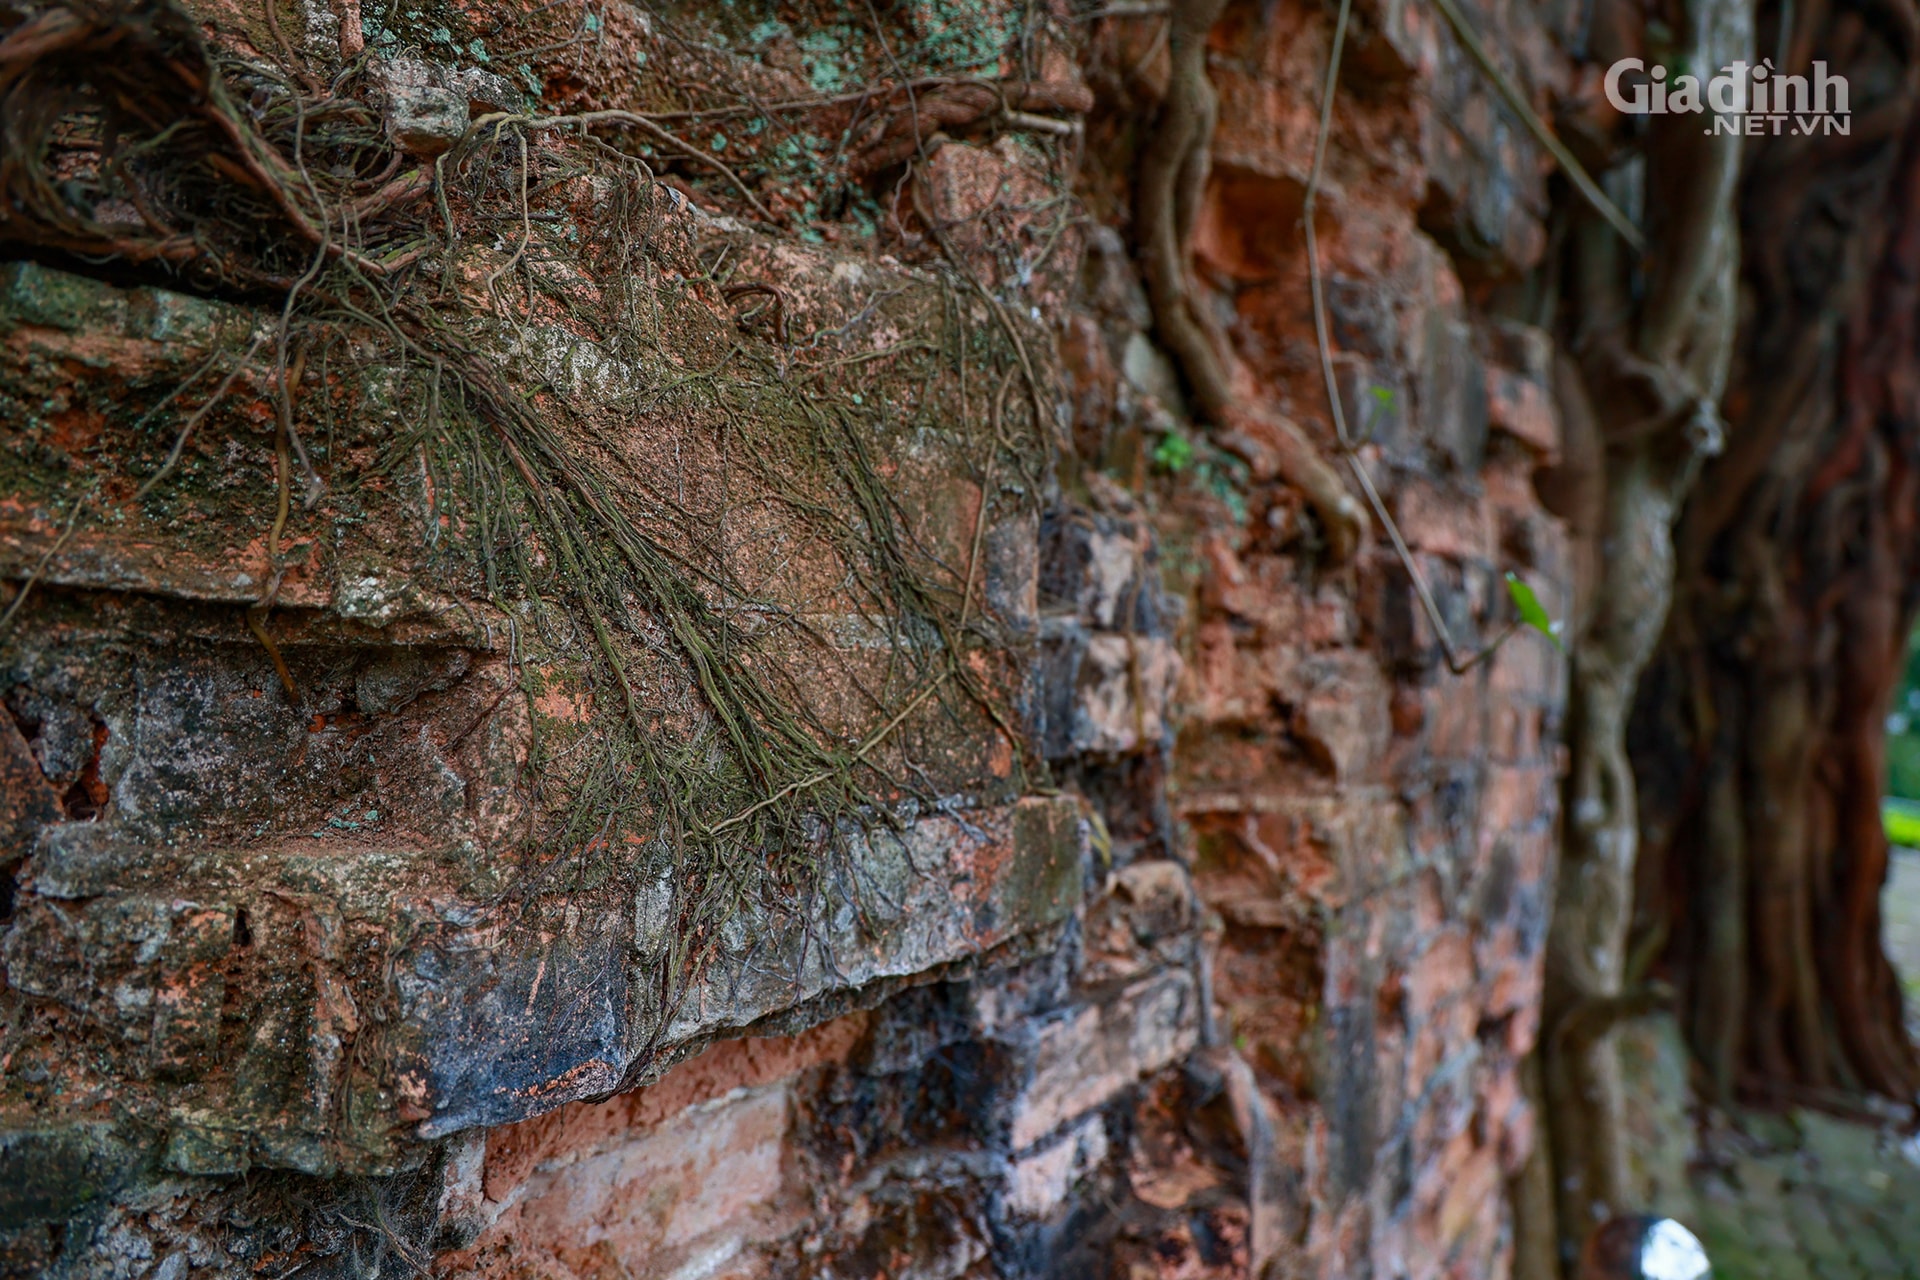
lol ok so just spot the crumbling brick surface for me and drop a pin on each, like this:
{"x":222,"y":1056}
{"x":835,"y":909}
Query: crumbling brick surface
{"x":275,"y":1003}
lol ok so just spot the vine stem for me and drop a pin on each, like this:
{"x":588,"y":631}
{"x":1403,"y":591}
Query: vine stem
{"x":633,"y":120}
{"x":46,"y":557}
{"x":1510,"y":93}
{"x":186,"y":430}
{"x":874,"y":739}
{"x":256,"y":615}
{"x":1350,"y":447}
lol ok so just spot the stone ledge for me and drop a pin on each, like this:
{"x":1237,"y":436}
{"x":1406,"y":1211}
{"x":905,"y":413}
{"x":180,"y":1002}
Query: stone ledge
{"x":952,"y":889}
{"x":482,"y":1017}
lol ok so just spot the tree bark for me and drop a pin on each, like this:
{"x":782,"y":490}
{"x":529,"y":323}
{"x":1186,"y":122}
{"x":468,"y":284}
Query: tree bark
{"x":1764,"y":716}
{"x":1651,"y":341}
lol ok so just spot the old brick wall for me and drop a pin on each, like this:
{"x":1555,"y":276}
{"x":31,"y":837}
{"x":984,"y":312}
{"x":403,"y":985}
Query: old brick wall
{"x":1279,"y":841}
{"x":1366,"y":822}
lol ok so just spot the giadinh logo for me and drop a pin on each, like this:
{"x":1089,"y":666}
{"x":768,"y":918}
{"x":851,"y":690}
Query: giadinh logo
{"x":1745,"y":100}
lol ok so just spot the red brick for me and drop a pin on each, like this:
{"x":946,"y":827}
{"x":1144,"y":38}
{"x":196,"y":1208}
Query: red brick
{"x":1444,"y":970}
{"x":1528,"y":668}
{"x":1512,"y":982}
{"x":1516,"y":733}
{"x":1331,"y":620}
{"x":1519,"y":798}
{"x":514,"y":1150}
{"x":1343,"y":716}
{"x":1432,"y":520}
{"x":1456,"y":718}
{"x":1523,"y":408}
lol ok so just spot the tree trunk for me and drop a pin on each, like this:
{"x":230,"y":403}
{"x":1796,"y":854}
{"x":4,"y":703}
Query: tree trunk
{"x":1760,"y":731}
{"x":1650,"y":337}
{"x":1751,"y":772}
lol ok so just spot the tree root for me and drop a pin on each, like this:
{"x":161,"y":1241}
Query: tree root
{"x":1173,"y":175}
{"x":955,"y":106}
{"x":1173,"y":178}
{"x":1652,"y":336}
{"x":1276,"y":448}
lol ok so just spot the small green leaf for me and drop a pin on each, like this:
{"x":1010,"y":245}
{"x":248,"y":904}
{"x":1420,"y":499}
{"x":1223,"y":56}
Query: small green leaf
{"x":1173,"y":453}
{"x":1384,"y":395}
{"x":1531,"y":611}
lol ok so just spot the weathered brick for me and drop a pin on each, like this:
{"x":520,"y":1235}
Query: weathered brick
{"x":1520,"y":389}
{"x":1455,"y":716}
{"x":1040,"y":1182}
{"x":1519,"y":798}
{"x":1473,"y":1186}
{"x":1444,"y":971}
{"x":1460,"y":592}
{"x":1433,"y":519}
{"x":1374,"y":832}
{"x":1343,"y":714}
{"x":712,"y":1172}
{"x":1516,"y":737}
{"x":1453,"y":392}
{"x":1084,"y":1057}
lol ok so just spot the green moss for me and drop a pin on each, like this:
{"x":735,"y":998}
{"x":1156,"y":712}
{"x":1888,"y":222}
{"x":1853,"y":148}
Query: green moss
{"x":770,"y":29}
{"x":34,"y":295}
{"x":827,"y":59}
{"x":391,"y":26}
{"x":961,"y":35}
